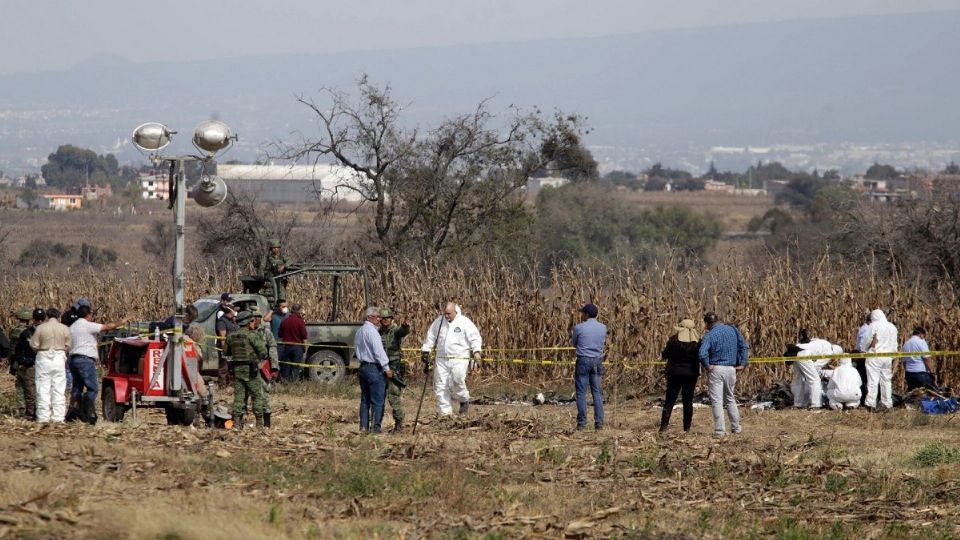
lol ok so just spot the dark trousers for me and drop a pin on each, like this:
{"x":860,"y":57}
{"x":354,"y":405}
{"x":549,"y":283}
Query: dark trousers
{"x":675,"y":385}
{"x":84,"y":372}
{"x":373,"y":388}
{"x":861,"y":366}
{"x":919,"y":379}
{"x":589,"y":372}
{"x":291,"y":354}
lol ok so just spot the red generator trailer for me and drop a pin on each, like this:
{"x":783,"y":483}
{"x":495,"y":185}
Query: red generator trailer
{"x":140,"y":373}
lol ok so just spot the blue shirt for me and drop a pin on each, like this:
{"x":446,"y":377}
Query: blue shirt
{"x":275,"y":321}
{"x":368,"y":346}
{"x":723,"y":345}
{"x":589,"y":338}
{"x":914,"y":364}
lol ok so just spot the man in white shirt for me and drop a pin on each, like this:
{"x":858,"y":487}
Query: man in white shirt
{"x":881,"y":338}
{"x":84,"y":334}
{"x":458,"y":344}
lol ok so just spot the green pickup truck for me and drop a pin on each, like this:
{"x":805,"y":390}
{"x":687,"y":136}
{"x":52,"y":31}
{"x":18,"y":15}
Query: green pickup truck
{"x":330,"y":353}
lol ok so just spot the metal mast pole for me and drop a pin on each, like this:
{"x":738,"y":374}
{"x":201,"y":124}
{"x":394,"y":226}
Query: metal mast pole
{"x":179,"y":213}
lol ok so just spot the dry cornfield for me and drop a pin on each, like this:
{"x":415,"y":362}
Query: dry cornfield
{"x":517,"y":311}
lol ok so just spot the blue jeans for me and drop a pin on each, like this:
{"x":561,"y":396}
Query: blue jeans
{"x":294,"y":354}
{"x":373,"y":389}
{"x":589,"y":371}
{"x":83,"y":370}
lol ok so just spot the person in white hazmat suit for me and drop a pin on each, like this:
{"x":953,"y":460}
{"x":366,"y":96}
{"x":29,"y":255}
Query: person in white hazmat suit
{"x":458,"y":345}
{"x":843,"y":390}
{"x":807,"y":387}
{"x":880,"y":338}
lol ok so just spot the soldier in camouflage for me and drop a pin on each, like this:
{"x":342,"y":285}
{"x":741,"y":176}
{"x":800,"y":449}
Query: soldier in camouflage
{"x":270,"y":343}
{"x":392,"y":335}
{"x":275,"y":264}
{"x":246,"y":349}
{"x":23,"y":322}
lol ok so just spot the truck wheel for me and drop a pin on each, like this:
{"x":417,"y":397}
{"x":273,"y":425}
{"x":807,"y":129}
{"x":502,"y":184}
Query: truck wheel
{"x":112,"y":411}
{"x":326,"y":366}
{"x":174,"y":416}
{"x":188,"y":416}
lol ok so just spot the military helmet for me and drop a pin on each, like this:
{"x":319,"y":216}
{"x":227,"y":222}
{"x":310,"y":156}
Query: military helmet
{"x":386,"y":313}
{"x":274,"y":242}
{"x":244,"y":317}
{"x":23,"y":314}
{"x":255,"y":311}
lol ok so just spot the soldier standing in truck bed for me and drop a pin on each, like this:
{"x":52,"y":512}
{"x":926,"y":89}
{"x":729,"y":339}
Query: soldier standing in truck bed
{"x":273,"y":265}
{"x":246,"y":349}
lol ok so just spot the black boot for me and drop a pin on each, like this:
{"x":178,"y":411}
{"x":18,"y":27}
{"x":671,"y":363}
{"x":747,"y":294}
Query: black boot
{"x":74,"y":410}
{"x":266,"y":419}
{"x":238,"y":421}
{"x":88,"y":410}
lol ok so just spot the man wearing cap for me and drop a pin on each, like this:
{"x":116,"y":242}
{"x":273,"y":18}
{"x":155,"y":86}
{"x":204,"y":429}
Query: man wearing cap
{"x":246,"y":350}
{"x":294,"y":337}
{"x":26,"y":357}
{"x":589,"y":338}
{"x":23,"y":322}
{"x":459,"y":346}
{"x":273,"y":265}
{"x":723,"y":352}
{"x":392,"y":335}
{"x":273,"y":364}
{"x":52,"y":343}
{"x":374,"y":371}
{"x":83,"y":361}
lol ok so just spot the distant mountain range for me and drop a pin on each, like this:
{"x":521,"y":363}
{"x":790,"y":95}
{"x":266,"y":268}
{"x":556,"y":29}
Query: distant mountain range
{"x":870,"y":80}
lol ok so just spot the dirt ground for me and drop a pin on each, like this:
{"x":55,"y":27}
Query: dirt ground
{"x":502,"y":471}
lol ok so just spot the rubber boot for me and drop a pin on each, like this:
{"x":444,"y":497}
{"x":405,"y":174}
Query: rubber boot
{"x":266,"y":419}
{"x":88,"y":410}
{"x":238,"y":421}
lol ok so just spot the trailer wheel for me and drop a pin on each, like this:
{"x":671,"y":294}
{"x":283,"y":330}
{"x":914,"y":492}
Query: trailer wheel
{"x":327,"y":367}
{"x":112,"y":411}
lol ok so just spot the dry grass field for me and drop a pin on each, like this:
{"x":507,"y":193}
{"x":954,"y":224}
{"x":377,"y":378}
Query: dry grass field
{"x":503,"y":471}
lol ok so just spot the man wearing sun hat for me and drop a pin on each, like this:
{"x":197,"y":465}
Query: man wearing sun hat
{"x":682,"y":354}
{"x":589,"y":338}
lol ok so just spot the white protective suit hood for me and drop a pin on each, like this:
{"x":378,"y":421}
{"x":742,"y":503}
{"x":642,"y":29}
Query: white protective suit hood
{"x":877,"y":315}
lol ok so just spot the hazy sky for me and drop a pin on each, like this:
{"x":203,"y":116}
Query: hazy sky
{"x":42,"y":35}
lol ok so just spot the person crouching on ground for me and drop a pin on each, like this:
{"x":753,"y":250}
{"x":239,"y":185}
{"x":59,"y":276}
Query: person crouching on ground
{"x":682,"y":354}
{"x":843,"y":390}
{"x":723,"y":352}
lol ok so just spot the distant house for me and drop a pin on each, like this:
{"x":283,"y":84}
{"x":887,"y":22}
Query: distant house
{"x":154,"y":186}
{"x":713,"y":185}
{"x":536,"y":183}
{"x":63,"y":202}
{"x":94,"y":192}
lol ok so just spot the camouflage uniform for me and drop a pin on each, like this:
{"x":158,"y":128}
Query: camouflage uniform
{"x":246,"y":348}
{"x":270,"y":343}
{"x":23,"y":316}
{"x":392,"y":336}
{"x":270,"y":268}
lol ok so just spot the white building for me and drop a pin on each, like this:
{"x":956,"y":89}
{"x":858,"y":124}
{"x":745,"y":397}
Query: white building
{"x":293,"y":183}
{"x":154,"y":186}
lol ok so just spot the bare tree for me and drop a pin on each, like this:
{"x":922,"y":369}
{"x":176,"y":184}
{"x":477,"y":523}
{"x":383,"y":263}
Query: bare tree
{"x":450,"y":188}
{"x":159,"y":242}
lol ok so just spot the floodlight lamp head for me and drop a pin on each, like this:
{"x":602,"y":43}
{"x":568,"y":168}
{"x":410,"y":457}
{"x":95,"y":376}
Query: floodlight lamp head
{"x":212,"y":136}
{"x":210,"y":191}
{"x":152,"y":136}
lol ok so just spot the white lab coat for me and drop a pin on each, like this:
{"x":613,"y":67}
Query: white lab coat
{"x":844,"y":386}
{"x":806,"y":386}
{"x":880,"y":369}
{"x":455,"y":341}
